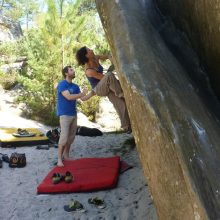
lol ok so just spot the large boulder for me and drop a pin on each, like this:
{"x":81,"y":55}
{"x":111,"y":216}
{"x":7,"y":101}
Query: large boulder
{"x":9,"y":30}
{"x":200,"y":20}
{"x":174,"y":119}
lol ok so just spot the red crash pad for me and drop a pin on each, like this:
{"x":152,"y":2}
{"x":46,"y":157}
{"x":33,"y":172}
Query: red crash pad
{"x":90,"y":174}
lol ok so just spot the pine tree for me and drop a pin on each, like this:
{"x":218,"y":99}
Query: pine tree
{"x":19,"y":10}
{"x":50,"y":46}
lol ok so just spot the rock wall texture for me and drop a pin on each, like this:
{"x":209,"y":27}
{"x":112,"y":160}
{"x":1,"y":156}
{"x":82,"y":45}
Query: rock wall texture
{"x":9,"y":30}
{"x":200,"y":20}
{"x":174,"y":123}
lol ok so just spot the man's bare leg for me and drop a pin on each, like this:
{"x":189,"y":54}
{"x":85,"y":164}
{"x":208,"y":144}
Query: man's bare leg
{"x":60,"y":153}
{"x":71,"y":137}
{"x":66,"y":152}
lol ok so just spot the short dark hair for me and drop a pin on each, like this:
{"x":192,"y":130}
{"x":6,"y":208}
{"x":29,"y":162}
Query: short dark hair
{"x":65,"y":70}
{"x":81,"y":56}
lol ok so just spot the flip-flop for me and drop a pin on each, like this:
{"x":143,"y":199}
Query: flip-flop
{"x":68,"y":177}
{"x":74,"y":206}
{"x":5,"y":158}
{"x":23,"y":133}
{"x":99,"y":203}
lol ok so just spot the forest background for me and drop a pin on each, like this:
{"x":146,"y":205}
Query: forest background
{"x":52,"y":32}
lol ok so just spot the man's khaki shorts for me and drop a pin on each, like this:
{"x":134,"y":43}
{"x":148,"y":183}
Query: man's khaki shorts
{"x":68,"y":126}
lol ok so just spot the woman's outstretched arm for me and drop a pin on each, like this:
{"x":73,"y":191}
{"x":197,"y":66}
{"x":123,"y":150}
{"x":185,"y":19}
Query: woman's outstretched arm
{"x":104,"y":57}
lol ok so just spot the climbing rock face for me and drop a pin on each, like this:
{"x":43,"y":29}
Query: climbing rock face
{"x":174,"y":119}
{"x":9,"y":30}
{"x":200,"y":20}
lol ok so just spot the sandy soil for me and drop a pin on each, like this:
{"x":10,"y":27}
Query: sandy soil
{"x":18,"y":198}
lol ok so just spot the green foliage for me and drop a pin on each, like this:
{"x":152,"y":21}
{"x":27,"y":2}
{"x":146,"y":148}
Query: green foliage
{"x":39,"y":104}
{"x":90,"y":107}
{"x":66,"y":26}
{"x":10,"y":49}
{"x":40,"y":77}
{"x":87,"y":5}
{"x":19,"y":10}
{"x":8,"y":80}
{"x":8,"y":53}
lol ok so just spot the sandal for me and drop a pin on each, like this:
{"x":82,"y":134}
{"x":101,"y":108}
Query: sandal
{"x":22,"y":131}
{"x":56,"y":178}
{"x":74,"y":206}
{"x":99,"y":203}
{"x":68,"y":177}
{"x":5,"y":158}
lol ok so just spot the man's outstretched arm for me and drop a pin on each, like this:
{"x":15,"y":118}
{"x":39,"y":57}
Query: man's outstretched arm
{"x":88,"y":96}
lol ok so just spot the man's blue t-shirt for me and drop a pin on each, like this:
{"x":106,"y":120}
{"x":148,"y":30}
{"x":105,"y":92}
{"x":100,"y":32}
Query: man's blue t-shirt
{"x":65,"y":106}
